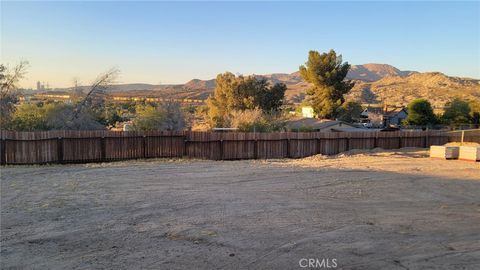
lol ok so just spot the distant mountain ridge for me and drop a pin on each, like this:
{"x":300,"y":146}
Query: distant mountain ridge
{"x":374,"y":83}
{"x":375,"y":72}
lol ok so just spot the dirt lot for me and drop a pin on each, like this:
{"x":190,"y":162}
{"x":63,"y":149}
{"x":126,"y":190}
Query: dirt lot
{"x":379,"y":210}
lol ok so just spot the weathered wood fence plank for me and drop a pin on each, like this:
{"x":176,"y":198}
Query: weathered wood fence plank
{"x":99,"y":146}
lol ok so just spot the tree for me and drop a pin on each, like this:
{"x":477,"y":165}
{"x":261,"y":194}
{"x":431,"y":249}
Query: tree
{"x":420,"y":113}
{"x":95,"y":97}
{"x":62,"y":117}
{"x":326,"y":73}
{"x":242,"y":93}
{"x":456,"y":111}
{"x":222,"y":100}
{"x":174,"y":118}
{"x":108,"y":114}
{"x":8,"y":85}
{"x":29,"y":117}
{"x":349,"y":111}
{"x":474,"y":111}
{"x":272,"y":97}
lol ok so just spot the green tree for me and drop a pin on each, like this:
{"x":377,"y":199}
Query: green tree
{"x":474,"y":111}
{"x":272,"y":97}
{"x":420,"y":113}
{"x":223,"y":100}
{"x":242,"y":93}
{"x":326,"y":73}
{"x":349,"y":112}
{"x":107,"y":114}
{"x":456,"y":111}
{"x":148,"y":118}
{"x":29,"y":117}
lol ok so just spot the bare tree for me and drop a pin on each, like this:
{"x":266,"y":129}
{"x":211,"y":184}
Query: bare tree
{"x":8,"y":85}
{"x":81,"y":116}
{"x":77,"y":91}
{"x":10,"y":79}
{"x":96,"y":92}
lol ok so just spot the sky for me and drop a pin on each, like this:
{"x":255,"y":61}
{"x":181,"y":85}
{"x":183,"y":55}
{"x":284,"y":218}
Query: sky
{"x":173,"y":42}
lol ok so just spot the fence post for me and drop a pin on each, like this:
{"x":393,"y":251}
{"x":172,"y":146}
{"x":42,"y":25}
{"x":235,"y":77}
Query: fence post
{"x":399,"y":141}
{"x":375,"y":141}
{"x":348,"y":144}
{"x":288,"y":148}
{"x":144,"y":143}
{"x":319,"y":146}
{"x":103,"y":146}
{"x":4,"y":151}
{"x":426,"y":144}
{"x":185,"y":145}
{"x":255,"y":149}
{"x":221,"y":149}
{"x":60,"y":150}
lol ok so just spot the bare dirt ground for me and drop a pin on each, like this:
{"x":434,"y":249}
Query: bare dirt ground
{"x":376,"y":210}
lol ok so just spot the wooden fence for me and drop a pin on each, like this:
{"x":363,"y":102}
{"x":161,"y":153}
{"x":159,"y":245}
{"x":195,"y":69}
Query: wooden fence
{"x":100,"y":146}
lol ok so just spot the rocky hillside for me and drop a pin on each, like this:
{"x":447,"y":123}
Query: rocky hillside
{"x":376,"y":83}
{"x":379,"y":83}
{"x":434,"y":86}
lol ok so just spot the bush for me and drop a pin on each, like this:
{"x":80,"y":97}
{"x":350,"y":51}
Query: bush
{"x":167,"y":116}
{"x":63,"y":116}
{"x":58,"y":116}
{"x":255,"y":120}
{"x":304,"y":129}
{"x":29,"y":117}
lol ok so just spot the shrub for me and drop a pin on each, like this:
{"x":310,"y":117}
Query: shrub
{"x":167,"y":116}
{"x":255,"y":120}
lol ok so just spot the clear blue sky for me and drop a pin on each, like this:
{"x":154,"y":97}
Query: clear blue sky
{"x":169,"y":42}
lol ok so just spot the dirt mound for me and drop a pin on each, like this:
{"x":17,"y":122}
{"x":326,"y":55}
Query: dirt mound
{"x":464,"y":144}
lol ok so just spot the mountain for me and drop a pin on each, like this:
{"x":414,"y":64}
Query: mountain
{"x":197,"y":84}
{"x":375,"y":72}
{"x":436,"y":87}
{"x":374,"y":83}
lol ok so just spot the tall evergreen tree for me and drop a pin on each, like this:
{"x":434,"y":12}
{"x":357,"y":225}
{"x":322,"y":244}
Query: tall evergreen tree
{"x":327,"y":74}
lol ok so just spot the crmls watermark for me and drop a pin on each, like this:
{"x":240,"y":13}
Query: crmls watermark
{"x":325,"y":263}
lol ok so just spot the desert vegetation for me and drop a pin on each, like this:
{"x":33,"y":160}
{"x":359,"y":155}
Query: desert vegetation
{"x":246,"y":103}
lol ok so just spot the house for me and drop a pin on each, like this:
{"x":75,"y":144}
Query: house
{"x":372,"y":117}
{"x":395,"y":116}
{"x":384,"y":117}
{"x":315,"y":124}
